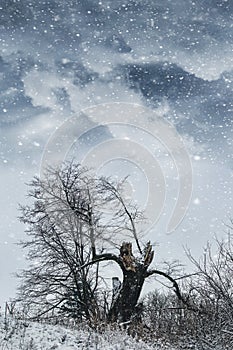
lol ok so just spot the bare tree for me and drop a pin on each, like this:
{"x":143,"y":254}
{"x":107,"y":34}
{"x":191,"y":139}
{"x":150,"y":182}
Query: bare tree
{"x":75,"y":222}
{"x":212,"y":288}
{"x":57,"y":247}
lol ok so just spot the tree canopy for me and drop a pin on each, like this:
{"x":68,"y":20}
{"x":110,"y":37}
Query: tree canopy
{"x":77,"y":220}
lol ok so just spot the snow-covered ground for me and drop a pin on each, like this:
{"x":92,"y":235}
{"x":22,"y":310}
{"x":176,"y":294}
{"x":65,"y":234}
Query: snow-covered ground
{"x":17,"y":334}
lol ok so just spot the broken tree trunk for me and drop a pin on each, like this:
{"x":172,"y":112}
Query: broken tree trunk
{"x":124,"y":305}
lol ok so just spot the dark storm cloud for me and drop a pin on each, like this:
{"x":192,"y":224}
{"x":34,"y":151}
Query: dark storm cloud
{"x":120,"y":26}
{"x":54,"y":29}
{"x":15,"y":13}
{"x":75,"y":71}
{"x":14,"y":104}
{"x":164,"y":80}
{"x":201,"y":108}
{"x":190,"y":25}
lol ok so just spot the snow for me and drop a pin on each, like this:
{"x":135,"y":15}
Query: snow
{"x":18,"y":334}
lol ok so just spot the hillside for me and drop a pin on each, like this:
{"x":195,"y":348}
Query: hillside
{"x":20,"y":335}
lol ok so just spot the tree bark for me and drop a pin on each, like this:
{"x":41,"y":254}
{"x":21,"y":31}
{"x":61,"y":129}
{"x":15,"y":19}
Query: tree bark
{"x":124,"y":306}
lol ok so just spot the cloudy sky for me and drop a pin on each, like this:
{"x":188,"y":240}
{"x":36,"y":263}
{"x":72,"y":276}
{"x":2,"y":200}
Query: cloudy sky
{"x":173,"y":57}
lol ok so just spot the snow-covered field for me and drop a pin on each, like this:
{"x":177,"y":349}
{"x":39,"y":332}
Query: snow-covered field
{"x":17,"y":334}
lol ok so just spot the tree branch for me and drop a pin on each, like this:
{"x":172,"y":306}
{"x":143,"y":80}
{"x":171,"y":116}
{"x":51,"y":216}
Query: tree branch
{"x":175,"y":285}
{"x":104,"y":257}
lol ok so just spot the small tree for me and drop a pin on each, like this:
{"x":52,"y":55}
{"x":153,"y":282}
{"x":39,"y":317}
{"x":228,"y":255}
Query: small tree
{"x":75,"y":222}
{"x":213,"y":288}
